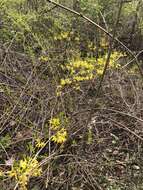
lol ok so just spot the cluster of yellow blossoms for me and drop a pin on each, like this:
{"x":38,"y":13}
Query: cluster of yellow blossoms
{"x":60,"y":132}
{"x":23,"y":170}
{"x":85,"y":70}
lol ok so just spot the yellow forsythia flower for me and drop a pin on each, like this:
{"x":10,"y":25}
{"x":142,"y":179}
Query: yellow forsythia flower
{"x":99,"y":71}
{"x":55,"y":123}
{"x":39,"y":143}
{"x":60,"y":137}
{"x":65,"y":81}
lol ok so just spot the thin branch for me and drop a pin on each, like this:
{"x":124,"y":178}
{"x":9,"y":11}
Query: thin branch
{"x":131,"y":61}
{"x":126,"y":128}
{"x":104,"y":20}
{"x":111,"y":110}
{"x":110,"y":49}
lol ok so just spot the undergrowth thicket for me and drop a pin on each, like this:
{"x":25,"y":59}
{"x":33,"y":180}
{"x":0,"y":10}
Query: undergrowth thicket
{"x":54,"y":133}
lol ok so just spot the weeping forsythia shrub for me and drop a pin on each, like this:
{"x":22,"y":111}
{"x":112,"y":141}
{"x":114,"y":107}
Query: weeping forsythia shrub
{"x":23,"y":170}
{"x":85,"y":70}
